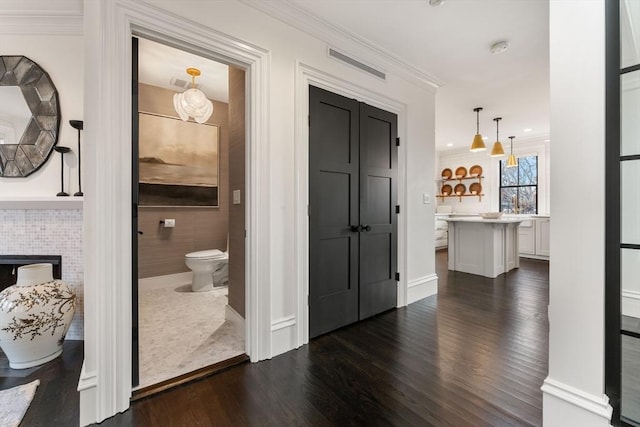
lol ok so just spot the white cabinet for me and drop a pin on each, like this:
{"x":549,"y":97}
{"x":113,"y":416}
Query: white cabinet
{"x":527,"y":237}
{"x":543,"y":226}
{"x":533,"y":235}
{"x":441,"y":233}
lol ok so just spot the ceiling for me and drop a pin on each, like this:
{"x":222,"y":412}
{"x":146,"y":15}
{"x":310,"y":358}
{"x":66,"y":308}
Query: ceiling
{"x":158,"y":64}
{"x":451,"y":43}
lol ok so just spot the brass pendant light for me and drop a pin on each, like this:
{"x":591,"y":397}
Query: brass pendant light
{"x":478,"y":143}
{"x":497,"y":149}
{"x":512,"y":162}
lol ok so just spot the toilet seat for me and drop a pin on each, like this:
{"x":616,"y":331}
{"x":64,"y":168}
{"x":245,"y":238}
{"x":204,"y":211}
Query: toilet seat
{"x":209,"y":254}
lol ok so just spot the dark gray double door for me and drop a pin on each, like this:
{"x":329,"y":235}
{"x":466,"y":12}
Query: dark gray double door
{"x":352,"y":211}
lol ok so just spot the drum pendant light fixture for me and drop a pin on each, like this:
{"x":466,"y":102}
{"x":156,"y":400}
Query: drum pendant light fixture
{"x":193,"y":102}
{"x":478,"y":143}
{"x":497,"y":149}
{"x":511,"y":160}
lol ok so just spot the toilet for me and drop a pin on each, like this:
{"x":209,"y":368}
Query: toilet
{"x":210,"y":269}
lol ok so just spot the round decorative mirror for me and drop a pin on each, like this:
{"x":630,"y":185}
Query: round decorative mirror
{"x":29,"y":116}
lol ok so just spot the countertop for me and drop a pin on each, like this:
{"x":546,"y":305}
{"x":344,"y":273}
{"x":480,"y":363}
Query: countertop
{"x":485,"y":221}
{"x":472,"y":215}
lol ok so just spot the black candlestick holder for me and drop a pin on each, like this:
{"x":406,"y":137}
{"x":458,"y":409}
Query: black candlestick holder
{"x":79,"y":125}
{"x":62,"y":150}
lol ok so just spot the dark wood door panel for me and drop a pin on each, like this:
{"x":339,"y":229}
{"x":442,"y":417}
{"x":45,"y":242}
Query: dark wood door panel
{"x":352,"y":219}
{"x":333,"y":209}
{"x":380,"y":137}
{"x":334,"y":192}
{"x":380,"y":203}
{"x":378,"y":197}
{"x":338,"y":136}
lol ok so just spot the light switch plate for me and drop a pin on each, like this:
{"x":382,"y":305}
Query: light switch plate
{"x":426,"y":198}
{"x":236,"y":197}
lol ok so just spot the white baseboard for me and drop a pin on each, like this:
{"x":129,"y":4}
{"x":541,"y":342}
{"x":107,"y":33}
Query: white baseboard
{"x":564,"y":405}
{"x":283,"y":335}
{"x":631,"y":303}
{"x":422,"y":287}
{"x":161,"y":282}
{"x":236,"y":321}
{"x":87,"y":386}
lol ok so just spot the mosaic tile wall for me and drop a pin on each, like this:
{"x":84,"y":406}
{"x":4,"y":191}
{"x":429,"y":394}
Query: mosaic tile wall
{"x":49,"y":232}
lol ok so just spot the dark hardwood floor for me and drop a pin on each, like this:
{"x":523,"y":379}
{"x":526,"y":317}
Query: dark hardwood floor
{"x":474,"y":355}
{"x":56,"y":402}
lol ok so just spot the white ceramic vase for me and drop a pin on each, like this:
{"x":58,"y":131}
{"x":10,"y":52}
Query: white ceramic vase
{"x":35,"y":315}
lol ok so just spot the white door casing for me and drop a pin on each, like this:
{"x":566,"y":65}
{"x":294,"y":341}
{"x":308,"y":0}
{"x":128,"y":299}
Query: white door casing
{"x":105,"y":383}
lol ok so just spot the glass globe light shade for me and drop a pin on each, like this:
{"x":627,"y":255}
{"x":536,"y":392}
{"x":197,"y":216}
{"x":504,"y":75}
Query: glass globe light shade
{"x":194,"y":103}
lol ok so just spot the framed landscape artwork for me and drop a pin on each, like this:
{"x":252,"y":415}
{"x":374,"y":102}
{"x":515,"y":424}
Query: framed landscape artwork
{"x":178,"y":162}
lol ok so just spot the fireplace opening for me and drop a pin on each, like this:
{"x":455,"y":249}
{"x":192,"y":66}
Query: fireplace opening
{"x":9,"y":266}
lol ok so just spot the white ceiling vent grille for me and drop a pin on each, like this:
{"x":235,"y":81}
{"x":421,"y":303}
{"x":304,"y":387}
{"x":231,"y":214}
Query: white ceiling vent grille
{"x":181,"y":83}
{"x":355,"y":63}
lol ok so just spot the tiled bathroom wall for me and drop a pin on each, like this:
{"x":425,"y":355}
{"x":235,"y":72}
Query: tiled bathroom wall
{"x":49,"y":232}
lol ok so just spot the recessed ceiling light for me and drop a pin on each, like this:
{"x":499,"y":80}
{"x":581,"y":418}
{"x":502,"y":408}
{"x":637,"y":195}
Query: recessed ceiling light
{"x":547,"y":140}
{"x":435,"y":3}
{"x":499,"y":47}
{"x":527,"y":130}
{"x":449,"y":145}
{"x":485,"y":138}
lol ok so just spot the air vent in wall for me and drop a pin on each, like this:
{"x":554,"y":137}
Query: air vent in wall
{"x":355,"y":63}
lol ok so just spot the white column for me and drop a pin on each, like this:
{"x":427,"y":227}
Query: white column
{"x":574,"y":389}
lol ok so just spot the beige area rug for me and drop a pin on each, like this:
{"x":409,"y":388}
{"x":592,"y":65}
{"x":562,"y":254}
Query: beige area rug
{"x":14,"y":403}
{"x":182,"y":331}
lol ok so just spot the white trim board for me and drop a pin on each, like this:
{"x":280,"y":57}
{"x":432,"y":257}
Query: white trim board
{"x":561,"y":399}
{"x":304,"y":77}
{"x":41,"y":25}
{"x":109,"y":26}
{"x":166,"y":281}
{"x":87,"y":386}
{"x":236,"y":321}
{"x":422,"y":287}
{"x":44,"y":203}
{"x":41,"y":17}
{"x":283,"y":335}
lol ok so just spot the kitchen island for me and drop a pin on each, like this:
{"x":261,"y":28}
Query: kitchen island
{"x":487,"y":247}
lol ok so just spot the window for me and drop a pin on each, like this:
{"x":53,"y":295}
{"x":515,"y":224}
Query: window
{"x":519,"y":186}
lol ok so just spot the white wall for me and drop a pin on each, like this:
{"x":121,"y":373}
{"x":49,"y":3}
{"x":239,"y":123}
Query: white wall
{"x":62,"y":57}
{"x":491,"y":170}
{"x":46,"y":231}
{"x":288,"y":45}
{"x":281,"y":50}
{"x":574,"y":389}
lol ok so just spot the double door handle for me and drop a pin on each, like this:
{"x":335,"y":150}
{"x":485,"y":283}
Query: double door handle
{"x":360,"y":228}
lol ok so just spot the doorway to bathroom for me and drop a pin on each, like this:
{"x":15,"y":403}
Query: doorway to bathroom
{"x":188,"y":216}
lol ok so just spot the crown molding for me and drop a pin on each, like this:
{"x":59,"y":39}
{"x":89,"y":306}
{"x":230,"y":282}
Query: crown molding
{"x":62,"y":17}
{"x":41,"y":25}
{"x":296,"y":16}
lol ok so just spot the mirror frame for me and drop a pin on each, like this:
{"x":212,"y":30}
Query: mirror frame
{"x":36,"y":143}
